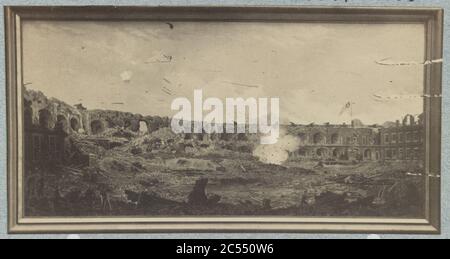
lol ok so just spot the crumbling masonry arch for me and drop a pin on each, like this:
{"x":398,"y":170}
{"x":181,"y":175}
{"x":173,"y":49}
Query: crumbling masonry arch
{"x":45,"y":118}
{"x":368,"y":154}
{"x":75,"y":124}
{"x":61,"y":123}
{"x":318,"y":138}
{"x":335,"y":139}
{"x":322,"y":152}
{"x":97,"y":127}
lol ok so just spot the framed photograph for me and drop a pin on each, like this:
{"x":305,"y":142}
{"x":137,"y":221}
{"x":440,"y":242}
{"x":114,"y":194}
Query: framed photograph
{"x":224,"y":119}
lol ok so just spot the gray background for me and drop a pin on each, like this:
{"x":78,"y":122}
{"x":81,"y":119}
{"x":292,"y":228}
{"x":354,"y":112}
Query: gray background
{"x":415,"y":3}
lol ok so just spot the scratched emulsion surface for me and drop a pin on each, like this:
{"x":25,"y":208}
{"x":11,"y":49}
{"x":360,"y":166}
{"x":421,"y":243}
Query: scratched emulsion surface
{"x":126,"y":76}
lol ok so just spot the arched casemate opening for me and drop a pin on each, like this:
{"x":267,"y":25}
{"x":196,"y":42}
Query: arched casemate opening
{"x":97,"y":127}
{"x":61,"y":123}
{"x":318,"y":138}
{"x":75,"y":124}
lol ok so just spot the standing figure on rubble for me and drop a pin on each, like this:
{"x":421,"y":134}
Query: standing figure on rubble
{"x":105,"y":201}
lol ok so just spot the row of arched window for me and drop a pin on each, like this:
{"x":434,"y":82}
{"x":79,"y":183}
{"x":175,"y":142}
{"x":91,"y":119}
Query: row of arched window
{"x":403,"y":137}
{"x":335,"y":139}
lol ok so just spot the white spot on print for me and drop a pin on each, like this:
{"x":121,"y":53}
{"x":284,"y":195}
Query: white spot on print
{"x":126,"y":76}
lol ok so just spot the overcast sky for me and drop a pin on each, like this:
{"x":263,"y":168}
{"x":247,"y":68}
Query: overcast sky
{"x":315,"y":69}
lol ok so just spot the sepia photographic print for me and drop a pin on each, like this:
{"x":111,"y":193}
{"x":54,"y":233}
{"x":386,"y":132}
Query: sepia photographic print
{"x":224,"y":119}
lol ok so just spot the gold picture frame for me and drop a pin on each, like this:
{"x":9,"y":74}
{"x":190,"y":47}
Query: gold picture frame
{"x":432,"y":18}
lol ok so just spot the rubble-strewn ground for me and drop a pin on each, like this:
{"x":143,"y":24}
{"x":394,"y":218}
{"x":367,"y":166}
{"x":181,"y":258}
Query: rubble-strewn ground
{"x":162,"y":174}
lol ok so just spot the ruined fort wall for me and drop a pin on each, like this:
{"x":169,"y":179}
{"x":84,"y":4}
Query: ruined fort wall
{"x":322,"y":142}
{"x":51,"y":113}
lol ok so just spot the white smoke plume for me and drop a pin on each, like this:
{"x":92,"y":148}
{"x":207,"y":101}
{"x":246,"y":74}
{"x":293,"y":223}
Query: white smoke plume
{"x":278,"y":153}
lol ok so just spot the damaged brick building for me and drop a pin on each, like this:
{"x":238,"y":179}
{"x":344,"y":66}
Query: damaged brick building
{"x":356,"y":142}
{"x":404,"y":141}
